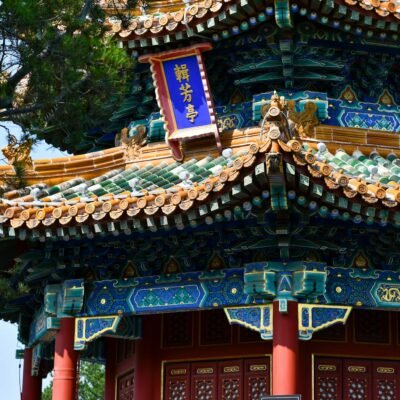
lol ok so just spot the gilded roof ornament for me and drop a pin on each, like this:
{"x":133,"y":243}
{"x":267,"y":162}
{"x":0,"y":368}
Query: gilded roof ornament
{"x":281,"y":121}
{"x":132,"y":140}
{"x":275,"y":123}
{"x":18,"y":153}
{"x":305,"y":121}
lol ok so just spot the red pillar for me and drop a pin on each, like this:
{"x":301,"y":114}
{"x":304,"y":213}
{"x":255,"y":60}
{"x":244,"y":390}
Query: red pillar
{"x":65,"y":360}
{"x":285,"y":350}
{"x":111,"y":351}
{"x":147,"y":369}
{"x":32,"y":385}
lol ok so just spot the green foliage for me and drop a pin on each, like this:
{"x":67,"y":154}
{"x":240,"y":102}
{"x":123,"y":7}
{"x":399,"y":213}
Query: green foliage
{"x":8,"y":293}
{"x":47,"y":392}
{"x":91,"y":383}
{"x":61,"y":73}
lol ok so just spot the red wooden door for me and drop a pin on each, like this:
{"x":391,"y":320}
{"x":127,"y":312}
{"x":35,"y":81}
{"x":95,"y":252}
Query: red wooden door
{"x":177,"y":382}
{"x":337,"y":379}
{"x":218,"y":380}
{"x":257,"y":378}
{"x":328,"y":379}
{"x":386,"y":380}
{"x":126,"y":386}
{"x":357,"y":376}
{"x":230,"y":382}
{"x":204,"y":380}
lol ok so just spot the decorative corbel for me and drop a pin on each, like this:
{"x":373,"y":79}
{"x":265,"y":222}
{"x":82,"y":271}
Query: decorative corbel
{"x":88,"y":329}
{"x":313,"y":318}
{"x":256,"y":318}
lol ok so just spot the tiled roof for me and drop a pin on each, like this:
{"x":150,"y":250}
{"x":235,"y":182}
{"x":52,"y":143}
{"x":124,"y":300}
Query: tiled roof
{"x":371,"y":168}
{"x":383,"y":8}
{"x":146,"y":190}
{"x":160,"y":187}
{"x":164,"y":22}
{"x":373,"y":177}
{"x":158,"y":23}
{"x":64,"y":168}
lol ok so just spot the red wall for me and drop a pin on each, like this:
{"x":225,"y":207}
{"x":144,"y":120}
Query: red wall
{"x":150,"y":354}
{"x":348,"y":348}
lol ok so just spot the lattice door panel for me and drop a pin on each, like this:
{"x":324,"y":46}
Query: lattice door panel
{"x":386,"y":380}
{"x":337,"y":379}
{"x":231,"y":380}
{"x":328,"y":379}
{"x":257,"y":378}
{"x":204,"y":380}
{"x":177,"y":382}
{"x":218,"y":380}
{"x":357,"y":379}
{"x":126,"y":386}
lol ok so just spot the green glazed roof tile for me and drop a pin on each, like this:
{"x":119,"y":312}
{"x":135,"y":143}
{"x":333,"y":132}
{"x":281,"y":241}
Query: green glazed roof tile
{"x":372,"y":167}
{"x":150,"y":177}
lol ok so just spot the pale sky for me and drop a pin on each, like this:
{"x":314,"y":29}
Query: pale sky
{"x":9,"y":370}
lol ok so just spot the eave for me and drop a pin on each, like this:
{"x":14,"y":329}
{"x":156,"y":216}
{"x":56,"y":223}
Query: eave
{"x":153,"y":206}
{"x":222,"y":19}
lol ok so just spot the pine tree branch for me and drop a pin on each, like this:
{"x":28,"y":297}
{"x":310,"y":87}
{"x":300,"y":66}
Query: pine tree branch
{"x":20,"y":111}
{"x":13,"y":81}
{"x":36,"y":107}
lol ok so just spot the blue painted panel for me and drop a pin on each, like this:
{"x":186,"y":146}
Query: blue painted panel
{"x":186,"y":92}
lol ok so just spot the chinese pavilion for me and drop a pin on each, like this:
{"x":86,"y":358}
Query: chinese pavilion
{"x":235,"y":231}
